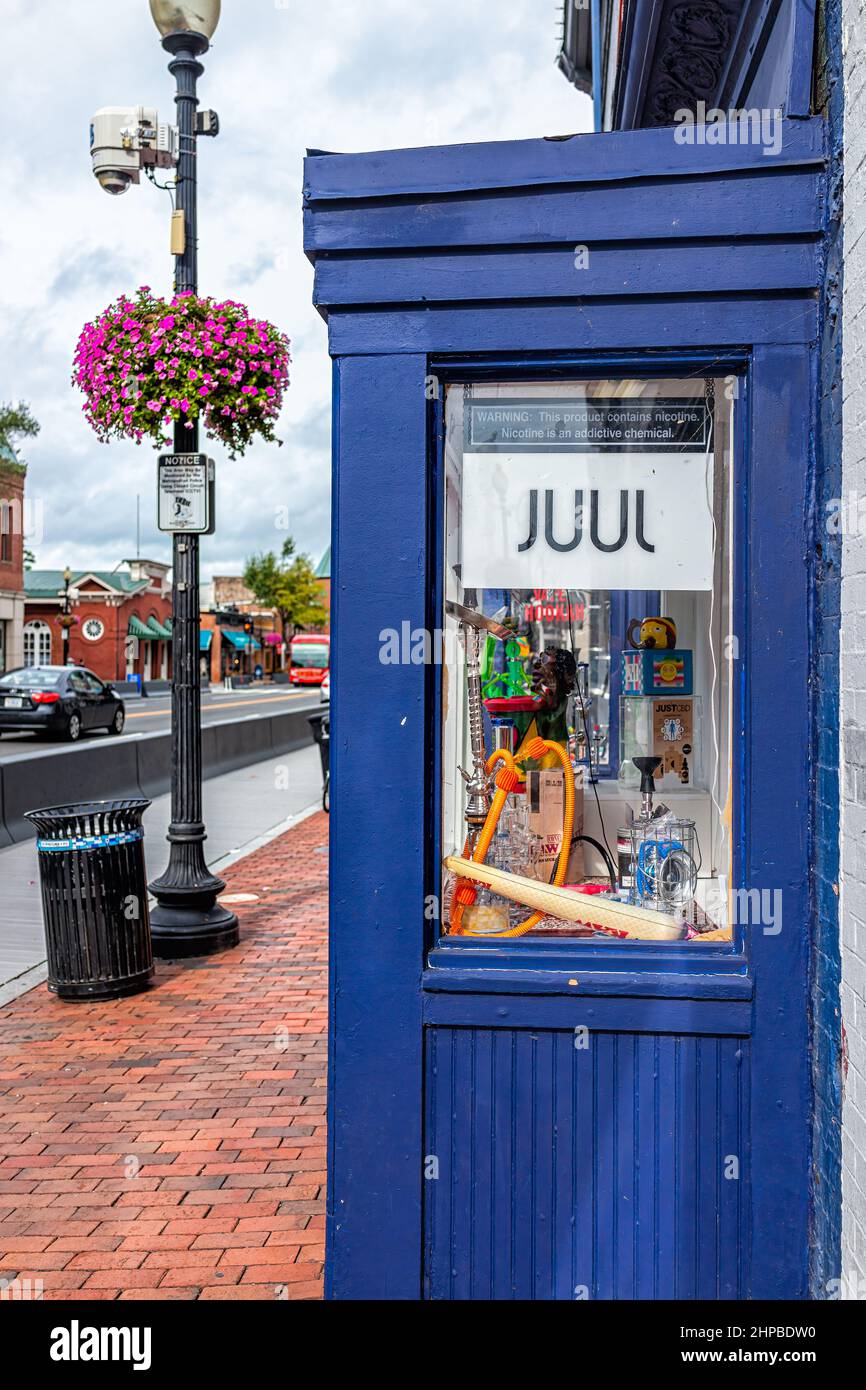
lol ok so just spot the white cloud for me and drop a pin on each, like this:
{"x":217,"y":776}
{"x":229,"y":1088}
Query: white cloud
{"x":325,"y":74}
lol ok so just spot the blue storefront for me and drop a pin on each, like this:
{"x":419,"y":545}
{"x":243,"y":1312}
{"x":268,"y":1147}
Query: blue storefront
{"x":589,"y":1112}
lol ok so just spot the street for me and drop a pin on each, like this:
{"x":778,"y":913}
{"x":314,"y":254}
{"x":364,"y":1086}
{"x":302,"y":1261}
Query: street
{"x":153,"y":715}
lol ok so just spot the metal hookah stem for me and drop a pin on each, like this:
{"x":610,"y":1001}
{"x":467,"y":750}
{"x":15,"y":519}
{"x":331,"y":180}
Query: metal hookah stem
{"x":476,"y":790}
{"x":473,"y":686}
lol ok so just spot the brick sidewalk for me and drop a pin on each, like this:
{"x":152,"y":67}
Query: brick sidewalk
{"x":172,"y":1145}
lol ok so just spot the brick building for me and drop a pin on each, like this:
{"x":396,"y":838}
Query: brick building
{"x":122,"y":620}
{"x":12,"y":476}
{"x":227,"y":648}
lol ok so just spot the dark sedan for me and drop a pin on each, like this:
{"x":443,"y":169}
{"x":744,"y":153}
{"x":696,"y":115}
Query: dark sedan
{"x":63,"y":701}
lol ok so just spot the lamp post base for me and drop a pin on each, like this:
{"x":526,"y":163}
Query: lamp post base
{"x":180,"y":932}
{"x":186,"y":919}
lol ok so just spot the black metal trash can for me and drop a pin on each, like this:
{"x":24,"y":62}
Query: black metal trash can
{"x":321,"y":727}
{"x":94,"y":898}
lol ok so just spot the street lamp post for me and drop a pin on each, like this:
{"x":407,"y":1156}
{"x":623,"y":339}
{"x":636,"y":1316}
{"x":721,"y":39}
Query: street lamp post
{"x":187,"y":920}
{"x":66,"y":619}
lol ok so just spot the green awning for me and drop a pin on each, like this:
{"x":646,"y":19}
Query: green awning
{"x":204,"y":640}
{"x":151,"y":631}
{"x":242,"y":640}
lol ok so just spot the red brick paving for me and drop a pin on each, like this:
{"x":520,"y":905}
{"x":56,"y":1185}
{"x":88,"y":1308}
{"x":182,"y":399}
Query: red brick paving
{"x":173,"y":1145}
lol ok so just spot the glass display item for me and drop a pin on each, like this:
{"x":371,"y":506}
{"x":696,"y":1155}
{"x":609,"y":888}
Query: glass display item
{"x":666,"y":727}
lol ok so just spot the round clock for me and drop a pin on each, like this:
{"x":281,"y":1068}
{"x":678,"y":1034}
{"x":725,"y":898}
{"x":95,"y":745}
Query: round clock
{"x":93,"y":629}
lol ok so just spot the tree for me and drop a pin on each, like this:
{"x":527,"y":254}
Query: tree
{"x":287,"y":583}
{"x":15,"y":420}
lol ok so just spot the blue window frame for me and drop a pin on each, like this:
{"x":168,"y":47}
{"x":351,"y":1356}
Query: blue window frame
{"x":656,"y":968}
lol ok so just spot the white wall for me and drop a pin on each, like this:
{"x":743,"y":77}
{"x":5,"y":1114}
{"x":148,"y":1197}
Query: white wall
{"x":853,"y":660}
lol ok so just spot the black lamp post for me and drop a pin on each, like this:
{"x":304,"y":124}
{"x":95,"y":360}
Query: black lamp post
{"x":66,"y":619}
{"x":187,"y":919}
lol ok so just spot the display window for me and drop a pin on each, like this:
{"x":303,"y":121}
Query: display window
{"x":590,"y":660}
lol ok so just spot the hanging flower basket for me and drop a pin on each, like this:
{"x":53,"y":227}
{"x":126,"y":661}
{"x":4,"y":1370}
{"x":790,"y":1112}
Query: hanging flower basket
{"x":145,"y":364}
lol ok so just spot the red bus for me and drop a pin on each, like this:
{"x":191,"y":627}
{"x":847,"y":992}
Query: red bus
{"x":310,"y":655}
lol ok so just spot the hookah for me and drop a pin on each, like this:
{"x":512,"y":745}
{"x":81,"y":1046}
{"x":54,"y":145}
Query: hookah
{"x":481,"y":814}
{"x":472,"y":624}
{"x":663,"y":853}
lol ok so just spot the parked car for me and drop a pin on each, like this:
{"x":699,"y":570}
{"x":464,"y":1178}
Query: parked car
{"x":59,"y":701}
{"x":325,"y":695}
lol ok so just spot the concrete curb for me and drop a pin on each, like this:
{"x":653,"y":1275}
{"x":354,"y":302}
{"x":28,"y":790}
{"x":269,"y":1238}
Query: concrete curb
{"x":136,"y":765}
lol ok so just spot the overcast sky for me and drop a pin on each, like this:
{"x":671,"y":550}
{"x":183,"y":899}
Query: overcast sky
{"x":284,"y":75}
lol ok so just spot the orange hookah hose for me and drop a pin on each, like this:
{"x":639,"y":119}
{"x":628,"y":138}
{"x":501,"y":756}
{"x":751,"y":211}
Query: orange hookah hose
{"x":507,"y":779}
{"x":536,"y":750}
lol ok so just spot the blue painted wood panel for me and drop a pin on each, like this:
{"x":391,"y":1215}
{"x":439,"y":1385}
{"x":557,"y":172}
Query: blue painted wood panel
{"x":559,"y":1169}
{"x":588,"y":326}
{"x":781,"y":544}
{"x":549,"y":272}
{"x":600,"y":1172}
{"x":377,"y":832}
{"x":646,"y":209}
{"x":517,"y":163}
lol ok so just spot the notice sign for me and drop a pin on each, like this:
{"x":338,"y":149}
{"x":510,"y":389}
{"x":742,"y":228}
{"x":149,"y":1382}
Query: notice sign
{"x":184,"y":490}
{"x":604,"y":494}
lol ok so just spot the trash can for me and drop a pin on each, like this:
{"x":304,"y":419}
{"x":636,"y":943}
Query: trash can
{"x":321,"y":727}
{"x":94,"y":898}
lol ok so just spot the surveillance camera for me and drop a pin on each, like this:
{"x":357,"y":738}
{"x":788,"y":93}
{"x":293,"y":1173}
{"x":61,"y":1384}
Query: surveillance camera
{"x":115,"y":181}
{"x":124,"y":140}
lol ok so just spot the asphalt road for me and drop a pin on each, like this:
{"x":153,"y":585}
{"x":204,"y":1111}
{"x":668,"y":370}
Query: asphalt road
{"x":154,"y":714}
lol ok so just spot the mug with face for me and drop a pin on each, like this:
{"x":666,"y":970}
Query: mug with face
{"x":654,"y":634}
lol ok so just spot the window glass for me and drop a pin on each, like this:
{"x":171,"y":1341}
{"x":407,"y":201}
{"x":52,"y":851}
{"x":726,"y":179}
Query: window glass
{"x":588,"y":605}
{"x":37,"y":644}
{"x":307,"y":655}
{"x":34,"y":677}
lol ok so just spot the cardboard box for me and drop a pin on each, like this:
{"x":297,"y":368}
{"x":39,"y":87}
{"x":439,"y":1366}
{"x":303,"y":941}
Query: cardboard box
{"x":673,"y":737}
{"x":657,"y":672}
{"x":545,"y":792}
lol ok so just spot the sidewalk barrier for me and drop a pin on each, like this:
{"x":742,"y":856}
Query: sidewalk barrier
{"x":87,"y":772}
{"x":135,"y":766}
{"x":94,"y":898}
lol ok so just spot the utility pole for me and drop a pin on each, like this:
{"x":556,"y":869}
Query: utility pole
{"x":187,"y":919}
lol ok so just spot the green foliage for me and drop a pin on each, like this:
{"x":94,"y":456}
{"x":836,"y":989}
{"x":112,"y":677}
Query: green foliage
{"x":15,"y":421}
{"x":287,"y":583}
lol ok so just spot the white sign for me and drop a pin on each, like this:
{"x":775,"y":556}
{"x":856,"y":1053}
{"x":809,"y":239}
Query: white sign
{"x":184,"y":485}
{"x":587,"y":520}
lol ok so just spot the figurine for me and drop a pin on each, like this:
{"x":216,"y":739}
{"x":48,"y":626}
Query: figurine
{"x":655,"y":634}
{"x":554,"y":675}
